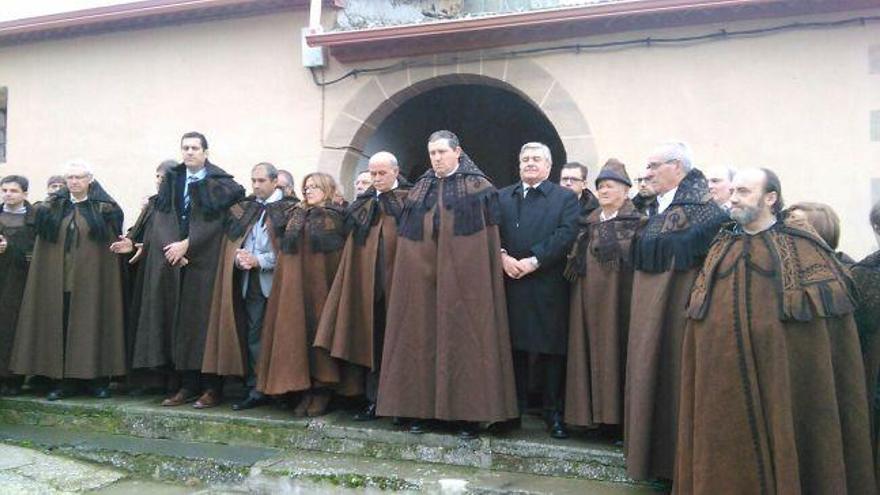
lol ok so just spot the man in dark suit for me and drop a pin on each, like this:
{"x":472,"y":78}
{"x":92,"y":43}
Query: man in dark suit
{"x":538,"y":227}
{"x":573,"y":177}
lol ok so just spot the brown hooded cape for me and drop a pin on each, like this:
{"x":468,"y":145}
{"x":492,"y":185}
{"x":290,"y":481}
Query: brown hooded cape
{"x":601,"y":265}
{"x":866,"y":275}
{"x":226,"y":340}
{"x":668,"y":254}
{"x":346,"y":326}
{"x":175,"y":302}
{"x":772,"y":385}
{"x":304,"y":270}
{"x":95,"y":342}
{"x":447,"y":350}
{"x":20,"y":232}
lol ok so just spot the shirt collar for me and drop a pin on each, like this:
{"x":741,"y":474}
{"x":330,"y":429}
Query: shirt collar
{"x":450,"y":174}
{"x":395,"y":186}
{"x":198,"y":175}
{"x":20,"y":210}
{"x":526,"y":187}
{"x":665,"y":199}
{"x":74,"y":200}
{"x":766,"y":227}
{"x":603,"y":217}
{"x":276,"y":195}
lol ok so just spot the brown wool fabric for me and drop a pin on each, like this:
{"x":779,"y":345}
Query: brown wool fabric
{"x":773,"y":385}
{"x":175,"y":304}
{"x":668,"y":254}
{"x":447,"y":344}
{"x":288,"y":361}
{"x":225,"y":340}
{"x":346,"y":325}
{"x":19,"y":232}
{"x":600,"y":306}
{"x":866,"y":275}
{"x":96,"y":339}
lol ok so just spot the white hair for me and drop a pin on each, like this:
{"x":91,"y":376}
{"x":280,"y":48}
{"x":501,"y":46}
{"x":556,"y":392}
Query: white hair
{"x":538,"y":146}
{"x":678,"y":151}
{"x":711,"y":170}
{"x":385,"y":156}
{"x":78,"y":166}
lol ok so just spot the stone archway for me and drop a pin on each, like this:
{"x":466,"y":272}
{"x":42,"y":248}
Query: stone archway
{"x":383,"y":94}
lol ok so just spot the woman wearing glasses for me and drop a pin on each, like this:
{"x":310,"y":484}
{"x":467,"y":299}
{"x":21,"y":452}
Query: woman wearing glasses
{"x":311,"y":243}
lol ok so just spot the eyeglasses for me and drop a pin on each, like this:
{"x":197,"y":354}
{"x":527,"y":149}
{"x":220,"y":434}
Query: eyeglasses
{"x":656,"y":165}
{"x":310,"y":188}
{"x":569,"y":180}
{"x":639,"y":180}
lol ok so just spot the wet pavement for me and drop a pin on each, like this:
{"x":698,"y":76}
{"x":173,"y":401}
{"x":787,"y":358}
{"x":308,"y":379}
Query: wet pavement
{"x":26,"y":470}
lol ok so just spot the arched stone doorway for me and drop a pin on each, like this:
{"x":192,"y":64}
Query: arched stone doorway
{"x":385,"y":104}
{"x":492,"y":123}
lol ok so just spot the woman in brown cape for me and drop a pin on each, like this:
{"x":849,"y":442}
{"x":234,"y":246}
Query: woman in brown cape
{"x":310,"y":252}
{"x":601,"y":268}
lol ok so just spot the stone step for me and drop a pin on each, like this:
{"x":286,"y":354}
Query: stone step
{"x":213,"y":468}
{"x":528,"y":451}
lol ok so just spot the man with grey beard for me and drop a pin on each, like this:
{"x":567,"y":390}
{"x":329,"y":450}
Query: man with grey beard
{"x":772,"y":383}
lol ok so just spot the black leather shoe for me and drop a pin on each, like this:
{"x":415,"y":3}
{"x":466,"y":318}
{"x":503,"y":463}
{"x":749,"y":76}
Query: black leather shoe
{"x":468,"y":431}
{"x":418,"y":427}
{"x":368,"y":414}
{"x":505,"y":427}
{"x":56,"y":394}
{"x":557,"y":426}
{"x":101,"y":393}
{"x":249,"y":403}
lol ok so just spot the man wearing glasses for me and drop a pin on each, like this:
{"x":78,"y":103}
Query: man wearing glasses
{"x":645,"y":199}
{"x":70,"y":327}
{"x":574,"y":178}
{"x":668,"y":255}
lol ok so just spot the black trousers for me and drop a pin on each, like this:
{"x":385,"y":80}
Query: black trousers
{"x":371,"y":390}
{"x":550,"y":369}
{"x":255,"y":310}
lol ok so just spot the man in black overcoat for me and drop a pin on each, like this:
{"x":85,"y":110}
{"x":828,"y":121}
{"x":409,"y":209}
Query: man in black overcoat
{"x":538,"y":227}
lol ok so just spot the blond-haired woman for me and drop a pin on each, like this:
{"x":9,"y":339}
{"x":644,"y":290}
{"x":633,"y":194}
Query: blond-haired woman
{"x":310,"y":248}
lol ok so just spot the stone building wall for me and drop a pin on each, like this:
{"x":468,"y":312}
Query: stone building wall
{"x":802,"y":102}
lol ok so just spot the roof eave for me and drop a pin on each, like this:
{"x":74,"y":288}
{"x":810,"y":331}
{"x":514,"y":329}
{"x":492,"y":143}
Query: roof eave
{"x":547,"y":25}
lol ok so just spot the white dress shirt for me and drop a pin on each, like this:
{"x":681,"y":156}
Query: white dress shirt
{"x":665,"y":199}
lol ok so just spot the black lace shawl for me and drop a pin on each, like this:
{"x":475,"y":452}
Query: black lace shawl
{"x":325,"y":226}
{"x":468,"y":193}
{"x":243,"y":214}
{"x":606,"y":239}
{"x":101,"y":212}
{"x":211,"y":197}
{"x":866,"y":275}
{"x":364,"y":212}
{"x":679,"y":238}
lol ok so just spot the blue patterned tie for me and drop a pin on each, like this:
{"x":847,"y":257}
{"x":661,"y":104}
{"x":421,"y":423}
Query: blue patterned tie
{"x":186,"y":196}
